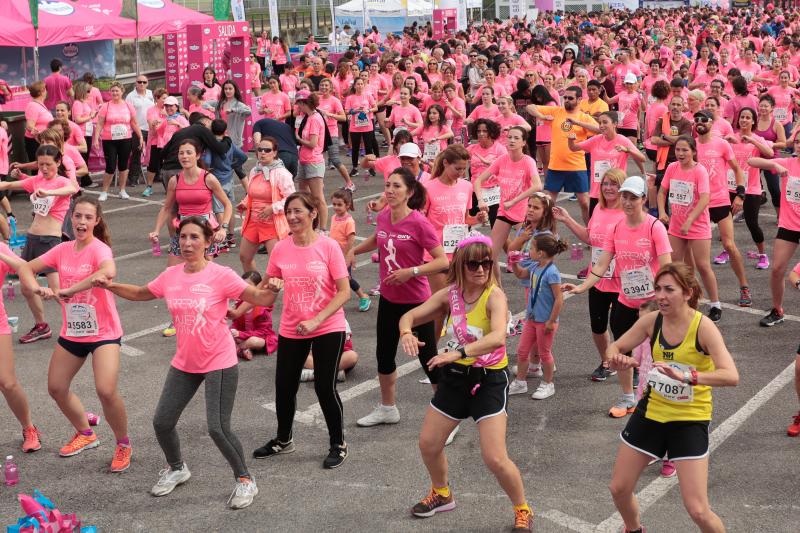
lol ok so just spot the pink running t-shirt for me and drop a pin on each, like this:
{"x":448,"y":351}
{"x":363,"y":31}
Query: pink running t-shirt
{"x":605,"y":156}
{"x":333,"y":106}
{"x":88,"y":316}
{"x":274,"y":105}
{"x":52,"y":206}
{"x":790,"y":194}
{"x":386,"y":165}
{"x":714,"y":156}
{"x":506,"y":122}
{"x":482,"y":111}
{"x":601,"y":227}
{"x":5,"y":328}
{"x":513,"y":178}
{"x":39,"y":114}
{"x":684,"y":187}
{"x":315,"y":125}
{"x":198,"y":304}
{"x":399,"y":113}
{"x":447,"y":205}
{"x":629,"y":106}
{"x":743,"y":152}
{"x":309,"y":275}
{"x":363,"y":102}
{"x":477,"y":167}
{"x":117,"y":123}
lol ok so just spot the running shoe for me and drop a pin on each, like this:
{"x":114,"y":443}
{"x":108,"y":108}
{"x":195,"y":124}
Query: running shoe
{"x":103,"y":197}
{"x":425,"y":380}
{"x":37,"y":333}
{"x":738,"y":217}
{"x":246,"y":354}
{"x":744,"y":297}
{"x":124,"y":194}
{"x":307,"y":374}
{"x":354,"y":172}
{"x":122,"y":458}
{"x":794,"y":428}
{"x":544,"y":391}
{"x":763,"y":262}
{"x":274,"y":447}
{"x":622,"y":408}
{"x":667,"y":468}
{"x":79,"y":443}
{"x":573,"y":198}
{"x":602,"y":373}
{"x":169,"y":331}
{"x":433,"y":503}
{"x":147,"y":192}
{"x":30,"y":440}
{"x":752,"y":254}
{"x":351,"y":187}
{"x":583,"y":273}
{"x":364,"y":304}
{"x":534,"y":371}
{"x":518,"y":328}
{"x":382,"y":414}
{"x":518,"y":387}
{"x":336,"y":456}
{"x":230,"y":242}
{"x":262,"y":250}
{"x":715,"y":314}
{"x":451,"y":436}
{"x":376,"y":290}
{"x":523,"y":521}
{"x":243,"y":493}
{"x":774,"y":318}
{"x":341,"y":376}
{"x":722,"y":258}
{"x":168,"y":479}
{"x":92,"y":418}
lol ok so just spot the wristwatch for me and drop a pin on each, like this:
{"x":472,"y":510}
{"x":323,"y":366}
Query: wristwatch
{"x":225,"y":225}
{"x":415,"y":271}
{"x":687,"y":377}
{"x":462,"y":351}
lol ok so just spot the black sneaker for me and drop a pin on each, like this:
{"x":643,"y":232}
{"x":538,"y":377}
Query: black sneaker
{"x":262,"y":250}
{"x":602,"y":373}
{"x":230,"y":241}
{"x":715,"y":314}
{"x":774,"y":318}
{"x":354,"y":172}
{"x":274,"y":447}
{"x":336,"y":457}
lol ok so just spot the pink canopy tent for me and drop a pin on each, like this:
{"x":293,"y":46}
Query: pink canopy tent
{"x":156,"y":17}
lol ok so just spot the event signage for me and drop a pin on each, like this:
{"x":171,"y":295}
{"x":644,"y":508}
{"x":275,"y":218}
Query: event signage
{"x":516,"y":8}
{"x":273,"y":18}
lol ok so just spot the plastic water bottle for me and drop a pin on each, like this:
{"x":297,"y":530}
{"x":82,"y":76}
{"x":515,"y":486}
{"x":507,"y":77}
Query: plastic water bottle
{"x":156,"y":247}
{"x":573,"y":254}
{"x":11,"y":472}
{"x":370,"y":217}
{"x":10,"y":293}
{"x":580,"y":251}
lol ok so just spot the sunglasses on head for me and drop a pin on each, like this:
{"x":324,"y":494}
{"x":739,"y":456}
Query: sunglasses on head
{"x":265,"y":150}
{"x":486,"y":264}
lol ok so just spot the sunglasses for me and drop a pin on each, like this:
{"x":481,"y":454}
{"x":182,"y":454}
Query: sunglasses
{"x":486,"y":264}
{"x":141,"y":82}
{"x":265,"y":150}
{"x":701,"y":120}
{"x":568,"y":98}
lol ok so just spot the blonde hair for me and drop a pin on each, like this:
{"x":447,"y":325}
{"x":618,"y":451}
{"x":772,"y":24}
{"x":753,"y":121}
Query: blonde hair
{"x":617,"y":175}
{"x":453,"y":153}
{"x":697,"y":94}
{"x":476,"y":251}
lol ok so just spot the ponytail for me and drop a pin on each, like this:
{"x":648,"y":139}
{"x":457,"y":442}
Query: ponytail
{"x":418,"y":196}
{"x":101,"y":229}
{"x":453,"y":153}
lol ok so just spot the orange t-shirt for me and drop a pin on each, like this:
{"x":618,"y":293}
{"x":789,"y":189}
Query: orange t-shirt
{"x":561,"y":157}
{"x":342,"y":228}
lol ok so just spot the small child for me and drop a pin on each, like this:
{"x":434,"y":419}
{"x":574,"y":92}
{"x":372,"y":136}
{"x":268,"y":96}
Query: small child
{"x":541,"y":316}
{"x":643,"y":355}
{"x":252,"y":325}
{"x":346,"y":363}
{"x":222,"y":168}
{"x":343,"y":231}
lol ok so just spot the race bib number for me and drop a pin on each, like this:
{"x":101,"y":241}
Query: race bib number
{"x":119,"y":131}
{"x":637,"y":284}
{"x":781,"y":113}
{"x":651,"y":100}
{"x":491,"y":196}
{"x":297,"y":121}
{"x":362,"y":122}
{"x":42,"y":206}
{"x":670,"y":389}
{"x":431,"y":151}
{"x":731,"y":179}
{"x":596,"y":253}
{"x":600,"y":169}
{"x":291,"y":94}
{"x":452,"y":235}
{"x":620,"y":116}
{"x":89,"y":128}
{"x":793,"y":190}
{"x":681,"y":192}
{"x":81,"y":320}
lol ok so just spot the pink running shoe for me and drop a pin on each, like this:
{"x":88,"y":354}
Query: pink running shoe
{"x":722,"y":258}
{"x":763,"y":262}
{"x":752,"y":254}
{"x":667,"y":468}
{"x":92,"y":418}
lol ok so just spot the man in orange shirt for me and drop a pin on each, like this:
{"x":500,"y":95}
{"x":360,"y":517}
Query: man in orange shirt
{"x":567,"y":169}
{"x":316,"y":71}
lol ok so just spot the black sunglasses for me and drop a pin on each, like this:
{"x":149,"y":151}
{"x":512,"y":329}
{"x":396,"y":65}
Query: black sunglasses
{"x":701,"y":120}
{"x":486,"y":264}
{"x":142,"y":82}
{"x":265,"y":150}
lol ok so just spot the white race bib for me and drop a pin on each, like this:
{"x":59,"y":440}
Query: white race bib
{"x":362,"y":122}
{"x":781,"y":113}
{"x":731,"y":179}
{"x":596,"y":252}
{"x":600,"y":169}
{"x":89,"y":128}
{"x":119,"y":131}
{"x":681,"y":192}
{"x":651,"y":100}
{"x":620,"y":116}
{"x":637,"y":284}
{"x":42,"y":206}
{"x":291,"y":94}
{"x":793,"y":190}
{"x":452,"y":234}
{"x":297,"y":121}
{"x":81,"y":320}
{"x":431,"y":151}
{"x":670,"y":389}
{"x":491,"y":196}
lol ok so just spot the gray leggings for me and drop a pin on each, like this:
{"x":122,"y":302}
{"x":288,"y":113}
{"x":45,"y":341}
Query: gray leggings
{"x":179,"y":388}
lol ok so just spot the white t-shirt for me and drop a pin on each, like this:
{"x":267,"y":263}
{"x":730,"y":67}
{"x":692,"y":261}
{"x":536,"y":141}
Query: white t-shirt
{"x":141,"y":103}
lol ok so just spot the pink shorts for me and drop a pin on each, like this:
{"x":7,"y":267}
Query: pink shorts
{"x":534,"y":334}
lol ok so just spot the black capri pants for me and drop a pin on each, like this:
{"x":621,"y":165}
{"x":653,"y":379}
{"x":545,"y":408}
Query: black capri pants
{"x":601,"y":306}
{"x":750,"y":208}
{"x":117,"y":154}
{"x":622,"y":319}
{"x":388,"y":336}
{"x":370,"y":144}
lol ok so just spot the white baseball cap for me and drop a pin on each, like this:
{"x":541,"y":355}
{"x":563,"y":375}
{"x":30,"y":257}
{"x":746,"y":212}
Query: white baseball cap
{"x":409,"y":150}
{"x":170,"y":100}
{"x":630,"y":77}
{"x":634,"y":185}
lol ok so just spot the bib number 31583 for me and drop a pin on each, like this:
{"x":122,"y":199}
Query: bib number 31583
{"x":81,"y":320}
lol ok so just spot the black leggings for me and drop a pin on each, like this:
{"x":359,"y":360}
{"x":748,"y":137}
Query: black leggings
{"x":751,"y":207}
{"x":354,"y":285}
{"x":278,"y":69}
{"x":601,"y":306}
{"x":88,"y":152}
{"x":117,"y":154}
{"x":31,"y":145}
{"x":774,"y":187}
{"x":622,"y":319}
{"x":388,"y":337}
{"x":326,"y":351}
{"x":370,"y":144}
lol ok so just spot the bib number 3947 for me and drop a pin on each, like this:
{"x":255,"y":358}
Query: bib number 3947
{"x":81,"y":320}
{"x":637,"y":284}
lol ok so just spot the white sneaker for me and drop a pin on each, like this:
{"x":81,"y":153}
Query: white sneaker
{"x":103,"y":197}
{"x":451,"y":436}
{"x":168,"y":479}
{"x":382,"y":414}
{"x":518,"y":387}
{"x":544,"y":390}
{"x":425,"y":380}
{"x":341,"y":376}
{"x":243,"y":494}
{"x":124,"y":194}
{"x":307,"y":375}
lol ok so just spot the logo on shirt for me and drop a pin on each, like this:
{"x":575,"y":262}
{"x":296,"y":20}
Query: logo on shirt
{"x":643,"y":243}
{"x":316,"y":266}
{"x":153,"y":4}
{"x":669,"y":355}
{"x":567,"y":126}
{"x":200,"y":288}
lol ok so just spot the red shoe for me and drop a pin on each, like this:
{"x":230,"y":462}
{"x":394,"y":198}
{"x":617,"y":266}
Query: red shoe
{"x":31,"y":441}
{"x":37,"y":332}
{"x":794,"y":427}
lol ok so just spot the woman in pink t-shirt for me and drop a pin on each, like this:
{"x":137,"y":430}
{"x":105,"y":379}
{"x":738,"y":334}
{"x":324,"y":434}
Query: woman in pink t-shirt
{"x":720,"y":127}
{"x":455,"y":111}
{"x":482,"y":154}
{"x":90,"y":325}
{"x":432,"y":136}
{"x":36,"y":117}
{"x":687,"y":186}
{"x":274,"y":103}
{"x":333,"y":112}
{"x":197,"y":293}
{"x":487,"y":108}
{"x":213,"y":90}
{"x":359,"y":107}
{"x":402,"y":237}
{"x":311,"y":138}
{"x":312,"y":271}
{"x":508,"y":117}
{"x":630,"y":104}
{"x":75,"y":133}
{"x":279,"y":53}
{"x":404,"y":116}
{"x":83,"y":113}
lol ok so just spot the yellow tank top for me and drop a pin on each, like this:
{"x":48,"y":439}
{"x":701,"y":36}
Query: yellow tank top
{"x":478,"y":325}
{"x":694,"y":405}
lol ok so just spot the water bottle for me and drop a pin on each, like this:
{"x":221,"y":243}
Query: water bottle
{"x":370,"y":217}
{"x":573,"y":254}
{"x":10,"y":293}
{"x":580,"y":251}
{"x":156,"y":247}
{"x":11,"y":472}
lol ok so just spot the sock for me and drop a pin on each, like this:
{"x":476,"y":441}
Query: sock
{"x":124,"y":441}
{"x":387,"y":407}
{"x":715,"y":304}
{"x":629,"y":397}
{"x":444,"y":492}
{"x":87,"y":432}
{"x":523,"y":507}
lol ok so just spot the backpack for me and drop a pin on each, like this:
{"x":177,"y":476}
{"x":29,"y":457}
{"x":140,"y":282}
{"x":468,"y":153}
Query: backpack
{"x":328,"y":142}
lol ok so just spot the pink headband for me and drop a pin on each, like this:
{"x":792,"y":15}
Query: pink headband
{"x":476,"y":238}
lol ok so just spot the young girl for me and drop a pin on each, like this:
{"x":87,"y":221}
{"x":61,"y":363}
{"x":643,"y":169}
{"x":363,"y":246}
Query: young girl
{"x":252,"y":325}
{"x":343,"y":231}
{"x":433,"y":134}
{"x":541,"y":316}
{"x":643,"y":355}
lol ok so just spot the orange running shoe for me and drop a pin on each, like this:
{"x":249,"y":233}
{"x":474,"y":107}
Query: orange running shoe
{"x":622,"y":408}
{"x":122,"y":458}
{"x":30,"y":440}
{"x":523,"y":521}
{"x":79,"y":443}
{"x":794,"y":428}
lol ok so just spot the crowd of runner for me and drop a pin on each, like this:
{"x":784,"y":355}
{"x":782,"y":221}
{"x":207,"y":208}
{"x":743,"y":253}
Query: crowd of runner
{"x":480,"y":133}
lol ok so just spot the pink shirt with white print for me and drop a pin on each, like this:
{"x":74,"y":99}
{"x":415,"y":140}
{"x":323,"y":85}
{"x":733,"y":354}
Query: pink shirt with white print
{"x":684,"y":187}
{"x":744,"y":151}
{"x":605,"y":156}
{"x":514,"y":177}
{"x":601,"y":227}
{"x":714,"y":156}
{"x":790,"y":194}
{"x":447,"y":204}
{"x":117,"y":123}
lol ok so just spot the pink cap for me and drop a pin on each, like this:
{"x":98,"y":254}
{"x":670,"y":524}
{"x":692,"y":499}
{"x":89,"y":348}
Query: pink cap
{"x":302,"y":95}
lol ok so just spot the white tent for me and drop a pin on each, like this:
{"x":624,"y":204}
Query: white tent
{"x":383,"y":8}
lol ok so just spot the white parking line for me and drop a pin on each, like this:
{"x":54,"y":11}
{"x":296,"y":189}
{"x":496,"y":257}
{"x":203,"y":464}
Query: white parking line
{"x":134,"y":206}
